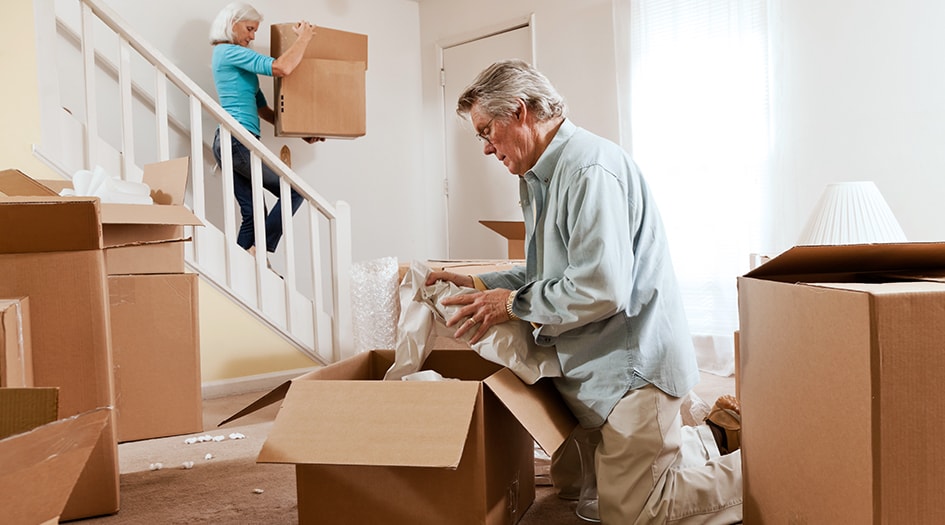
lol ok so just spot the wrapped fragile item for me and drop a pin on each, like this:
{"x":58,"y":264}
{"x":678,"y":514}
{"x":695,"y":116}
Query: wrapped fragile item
{"x":422,"y":312}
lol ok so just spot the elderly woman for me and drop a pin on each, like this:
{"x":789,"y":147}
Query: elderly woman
{"x":235,"y":73}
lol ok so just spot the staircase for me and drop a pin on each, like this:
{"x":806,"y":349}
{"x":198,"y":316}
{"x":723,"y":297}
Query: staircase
{"x":119,"y":104}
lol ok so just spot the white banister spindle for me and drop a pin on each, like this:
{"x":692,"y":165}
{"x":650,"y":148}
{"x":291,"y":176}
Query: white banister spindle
{"x":127,"y":109}
{"x":318,"y":286}
{"x":259,"y":224}
{"x":160,"y":115}
{"x":196,"y":156}
{"x":229,"y":211}
{"x":87,"y":44}
{"x":343,"y":333}
{"x":288,"y":242}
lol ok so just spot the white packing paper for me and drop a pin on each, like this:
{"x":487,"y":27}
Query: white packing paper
{"x":422,"y":312}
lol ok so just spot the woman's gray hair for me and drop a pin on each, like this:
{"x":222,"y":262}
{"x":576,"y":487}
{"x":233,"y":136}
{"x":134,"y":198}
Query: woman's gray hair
{"x":500,"y":87}
{"x":221,"y":31}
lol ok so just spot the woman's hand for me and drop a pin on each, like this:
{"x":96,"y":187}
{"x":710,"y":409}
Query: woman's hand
{"x":305,"y":29}
{"x":313,"y":140}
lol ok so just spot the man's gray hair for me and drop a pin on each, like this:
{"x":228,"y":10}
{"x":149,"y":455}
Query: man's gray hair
{"x":500,"y":87}
{"x":221,"y":31}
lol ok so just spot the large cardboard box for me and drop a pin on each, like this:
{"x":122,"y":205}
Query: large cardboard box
{"x":325,"y":95}
{"x":842,"y":366}
{"x":51,"y":251}
{"x":514,"y":232}
{"x":156,"y":348}
{"x":42,"y":458}
{"x":138,"y":239}
{"x":392,"y":452}
{"x":16,"y":355}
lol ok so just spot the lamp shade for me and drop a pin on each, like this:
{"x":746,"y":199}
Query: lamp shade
{"x":852,"y":213}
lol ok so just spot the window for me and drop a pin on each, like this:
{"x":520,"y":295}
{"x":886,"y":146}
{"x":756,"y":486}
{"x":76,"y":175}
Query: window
{"x":695,"y":115}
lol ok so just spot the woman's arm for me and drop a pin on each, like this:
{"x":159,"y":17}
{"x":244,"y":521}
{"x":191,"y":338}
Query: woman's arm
{"x":289,"y":60}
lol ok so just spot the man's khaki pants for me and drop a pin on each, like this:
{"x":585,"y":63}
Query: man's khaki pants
{"x":651,"y":469}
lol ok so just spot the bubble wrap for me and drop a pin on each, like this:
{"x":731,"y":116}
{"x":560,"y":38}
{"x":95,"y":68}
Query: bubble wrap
{"x":375,"y":303}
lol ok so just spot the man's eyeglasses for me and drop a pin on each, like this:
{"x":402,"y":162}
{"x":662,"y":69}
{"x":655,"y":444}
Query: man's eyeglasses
{"x":486,"y":133}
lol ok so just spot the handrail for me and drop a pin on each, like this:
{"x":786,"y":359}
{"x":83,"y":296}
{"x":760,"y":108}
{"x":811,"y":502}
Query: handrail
{"x":337,"y":215}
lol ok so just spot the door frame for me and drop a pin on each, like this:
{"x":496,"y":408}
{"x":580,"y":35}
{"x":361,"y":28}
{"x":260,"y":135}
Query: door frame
{"x":527,"y":21}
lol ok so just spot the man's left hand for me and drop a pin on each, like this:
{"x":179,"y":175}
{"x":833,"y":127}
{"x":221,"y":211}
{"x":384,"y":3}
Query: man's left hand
{"x":481,"y":309}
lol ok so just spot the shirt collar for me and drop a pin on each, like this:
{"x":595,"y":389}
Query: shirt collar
{"x":544,"y":168}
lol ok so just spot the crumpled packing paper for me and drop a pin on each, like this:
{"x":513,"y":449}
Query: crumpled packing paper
{"x":423,"y":314}
{"x":109,"y":189}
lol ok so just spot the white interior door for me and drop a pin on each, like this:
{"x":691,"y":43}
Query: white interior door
{"x":478,"y":187}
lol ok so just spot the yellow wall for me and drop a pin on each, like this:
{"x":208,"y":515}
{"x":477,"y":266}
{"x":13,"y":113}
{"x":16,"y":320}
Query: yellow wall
{"x":19,"y":98}
{"x":233,"y":344}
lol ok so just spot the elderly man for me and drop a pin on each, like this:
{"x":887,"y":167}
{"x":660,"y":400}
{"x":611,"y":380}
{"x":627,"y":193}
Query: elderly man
{"x":598,"y":285}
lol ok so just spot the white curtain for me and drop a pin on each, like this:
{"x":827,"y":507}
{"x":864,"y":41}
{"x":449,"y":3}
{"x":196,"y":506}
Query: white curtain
{"x":694,"y":113}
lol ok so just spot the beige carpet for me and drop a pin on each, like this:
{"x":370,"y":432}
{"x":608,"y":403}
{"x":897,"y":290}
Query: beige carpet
{"x":231,"y":488}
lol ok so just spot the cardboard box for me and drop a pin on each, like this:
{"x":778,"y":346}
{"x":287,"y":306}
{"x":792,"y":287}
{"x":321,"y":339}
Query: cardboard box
{"x":138,"y":239}
{"x":16,"y":356}
{"x":391,"y":452}
{"x":156,"y":352}
{"x":514,"y":231}
{"x":325,"y":95}
{"x":841,"y":375}
{"x":51,"y":251}
{"x":42,"y":461}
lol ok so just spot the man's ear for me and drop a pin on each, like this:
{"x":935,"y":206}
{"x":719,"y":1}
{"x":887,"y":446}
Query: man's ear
{"x":521,"y":112}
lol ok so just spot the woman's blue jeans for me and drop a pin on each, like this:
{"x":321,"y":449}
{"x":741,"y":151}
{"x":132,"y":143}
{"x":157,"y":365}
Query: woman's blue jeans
{"x":243,"y":190}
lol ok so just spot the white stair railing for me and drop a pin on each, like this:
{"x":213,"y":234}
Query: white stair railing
{"x":308,"y":303}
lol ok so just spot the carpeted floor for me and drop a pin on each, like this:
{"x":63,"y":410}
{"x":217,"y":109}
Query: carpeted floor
{"x":225,"y":485}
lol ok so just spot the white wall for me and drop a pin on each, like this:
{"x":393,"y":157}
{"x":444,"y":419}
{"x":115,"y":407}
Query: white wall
{"x":574,"y":47}
{"x":858,"y":93}
{"x":376,"y":174}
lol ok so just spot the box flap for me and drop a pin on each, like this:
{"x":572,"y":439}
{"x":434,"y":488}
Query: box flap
{"x":41,"y":467}
{"x":141,"y":214}
{"x":273,"y":396}
{"x":826,"y":262}
{"x":167,"y":180}
{"x":539,"y":408}
{"x":330,"y":44}
{"x":49,"y":224}
{"x":514,"y":230}
{"x":15,"y":183}
{"x":379,"y":423}
{"x":23,"y":409}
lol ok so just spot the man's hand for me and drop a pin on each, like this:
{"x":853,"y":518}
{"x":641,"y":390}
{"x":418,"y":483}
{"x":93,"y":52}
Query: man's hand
{"x":481,"y":309}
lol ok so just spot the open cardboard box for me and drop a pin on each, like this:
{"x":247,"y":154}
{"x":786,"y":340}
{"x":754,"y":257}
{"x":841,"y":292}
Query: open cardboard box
{"x":51,"y":251}
{"x":325,"y":95}
{"x":41,"y":457}
{"x":374,"y":451}
{"x":138,"y":239}
{"x":841,"y":370}
{"x":514,"y":231}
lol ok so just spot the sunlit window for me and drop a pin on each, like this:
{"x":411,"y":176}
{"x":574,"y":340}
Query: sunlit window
{"x":698,"y":110}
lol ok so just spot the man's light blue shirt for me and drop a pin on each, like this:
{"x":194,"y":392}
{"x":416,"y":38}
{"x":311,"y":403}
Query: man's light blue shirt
{"x":598,"y":278}
{"x":235,"y":69}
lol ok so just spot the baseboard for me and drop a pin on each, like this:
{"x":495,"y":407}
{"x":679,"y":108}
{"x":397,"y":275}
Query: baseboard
{"x":243,"y":385}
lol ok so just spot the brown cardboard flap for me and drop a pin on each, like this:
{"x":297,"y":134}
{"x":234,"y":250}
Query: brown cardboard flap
{"x":23,"y":409}
{"x":380,"y":423}
{"x":167,"y":180}
{"x":49,"y":224}
{"x":15,"y":183}
{"x":802,"y":263}
{"x":141,"y":214}
{"x":40,"y":467}
{"x":16,"y":354}
{"x":514,"y":230}
{"x":544,"y":416}
{"x":331,"y":44}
